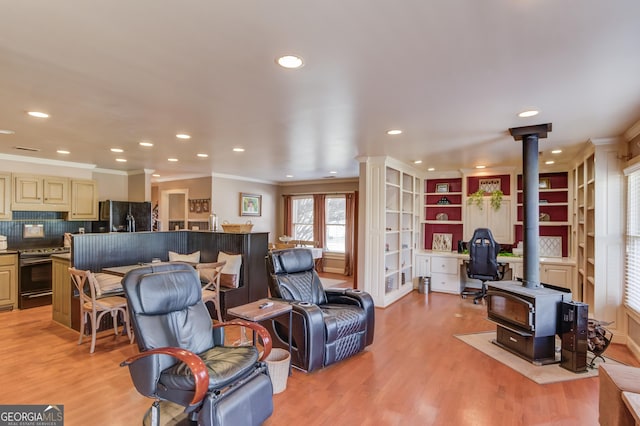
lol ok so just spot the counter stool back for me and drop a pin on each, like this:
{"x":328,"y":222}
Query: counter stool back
{"x":210,"y":273}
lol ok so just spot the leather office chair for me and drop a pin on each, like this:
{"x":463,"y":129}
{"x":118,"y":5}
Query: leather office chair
{"x":328,"y":325}
{"x":210,"y":274}
{"x":483,"y":262}
{"x":218,"y":385}
{"x":94,"y":308}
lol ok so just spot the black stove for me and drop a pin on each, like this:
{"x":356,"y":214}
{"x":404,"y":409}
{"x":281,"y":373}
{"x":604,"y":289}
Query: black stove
{"x":35,"y":275}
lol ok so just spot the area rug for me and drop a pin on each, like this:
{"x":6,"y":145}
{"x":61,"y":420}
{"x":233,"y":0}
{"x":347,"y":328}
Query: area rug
{"x":542,"y":374}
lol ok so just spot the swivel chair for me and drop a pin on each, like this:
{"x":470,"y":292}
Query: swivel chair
{"x":483,"y":262}
{"x":328,"y":325}
{"x":218,"y":385}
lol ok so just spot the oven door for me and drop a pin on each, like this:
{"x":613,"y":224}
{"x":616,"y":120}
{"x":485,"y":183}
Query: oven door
{"x":35,"y":283}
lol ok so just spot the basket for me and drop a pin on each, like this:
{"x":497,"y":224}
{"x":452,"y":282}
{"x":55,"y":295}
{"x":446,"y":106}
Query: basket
{"x":278,"y":365}
{"x":237,"y":228}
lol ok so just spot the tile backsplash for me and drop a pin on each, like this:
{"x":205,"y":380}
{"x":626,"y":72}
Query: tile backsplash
{"x":54,"y":223}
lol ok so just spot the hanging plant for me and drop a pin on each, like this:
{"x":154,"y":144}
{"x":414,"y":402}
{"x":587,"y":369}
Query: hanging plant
{"x":496,"y":199}
{"x":476,"y":198}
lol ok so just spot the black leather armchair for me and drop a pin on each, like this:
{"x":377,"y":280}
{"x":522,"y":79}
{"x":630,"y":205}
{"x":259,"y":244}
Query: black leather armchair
{"x":182,"y":357}
{"x":328,"y":325}
{"x":483,"y":262}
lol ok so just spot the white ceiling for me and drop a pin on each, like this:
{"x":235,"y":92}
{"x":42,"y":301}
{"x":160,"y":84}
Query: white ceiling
{"x":451,"y":74}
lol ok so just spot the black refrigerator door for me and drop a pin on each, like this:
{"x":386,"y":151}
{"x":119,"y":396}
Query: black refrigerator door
{"x":142,"y":214}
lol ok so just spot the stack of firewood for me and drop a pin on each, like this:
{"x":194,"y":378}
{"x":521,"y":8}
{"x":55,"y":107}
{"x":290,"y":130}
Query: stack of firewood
{"x":598,"y":337}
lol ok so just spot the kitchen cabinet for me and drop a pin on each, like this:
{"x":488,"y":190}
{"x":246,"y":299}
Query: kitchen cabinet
{"x":40,"y":193}
{"x":5,"y":196}
{"x":391,"y":192}
{"x":8,"y":281}
{"x":84,"y":200}
{"x":61,"y":287}
{"x":550,"y":273}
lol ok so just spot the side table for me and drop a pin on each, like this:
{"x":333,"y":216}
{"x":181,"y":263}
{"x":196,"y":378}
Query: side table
{"x":252,"y":312}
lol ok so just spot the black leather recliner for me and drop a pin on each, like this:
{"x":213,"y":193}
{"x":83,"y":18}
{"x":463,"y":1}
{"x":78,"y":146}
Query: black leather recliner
{"x":217,"y":384}
{"x":328,"y":325}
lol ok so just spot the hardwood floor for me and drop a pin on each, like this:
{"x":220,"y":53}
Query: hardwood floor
{"x":415,"y":373}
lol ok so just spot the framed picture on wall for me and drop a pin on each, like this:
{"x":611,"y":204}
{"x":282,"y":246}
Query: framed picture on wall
{"x":442,"y":187}
{"x":250,"y":204}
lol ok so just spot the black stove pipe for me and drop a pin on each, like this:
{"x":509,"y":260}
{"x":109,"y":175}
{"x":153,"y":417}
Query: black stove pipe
{"x":530,"y":185}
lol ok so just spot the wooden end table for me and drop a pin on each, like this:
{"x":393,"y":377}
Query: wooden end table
{"x":252,"y":312}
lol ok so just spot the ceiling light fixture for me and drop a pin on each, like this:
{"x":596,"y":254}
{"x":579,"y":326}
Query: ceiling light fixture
{"x":528,"y":113}
{"x":155,"y":175}
{"x":63,"y":151}
{"x":121,"y":160}
{"x":6,"y":132}
{"x":431,"y":169}
{"x":481,"y":167}
{"x":393,"y":132}
{"x":38,"y":114}
{"x":333,"y":172}
{"x":183,"y":136}
{"x":118,"y":150}
{"x":144,"y":143}
{"x":202,"y":155}
{"x":238,"y":149}
{"x":290,"y":61}
{"x":173,"y":160}
{"x":289,"y":176}
{"x":556,"y":151}
{"x":549,"y":162}
{"x":417,"y":162}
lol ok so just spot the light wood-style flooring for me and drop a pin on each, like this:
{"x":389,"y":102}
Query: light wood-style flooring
{"x":415,"y":373}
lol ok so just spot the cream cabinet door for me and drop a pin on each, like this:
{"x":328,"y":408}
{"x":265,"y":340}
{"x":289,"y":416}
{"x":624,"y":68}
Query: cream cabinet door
{"x":9,"y":281}
{"x":498,"y":221}
{"x":27,"y":190}
{"x":55,"y":190}
{"x":5,"y":196}
{"x":84,"y":200}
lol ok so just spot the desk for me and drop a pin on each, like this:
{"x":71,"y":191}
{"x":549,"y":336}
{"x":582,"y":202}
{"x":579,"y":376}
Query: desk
{"x":252,"y":312}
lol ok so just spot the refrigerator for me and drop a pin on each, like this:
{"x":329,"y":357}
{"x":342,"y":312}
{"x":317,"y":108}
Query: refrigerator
{"x":123,"y":216}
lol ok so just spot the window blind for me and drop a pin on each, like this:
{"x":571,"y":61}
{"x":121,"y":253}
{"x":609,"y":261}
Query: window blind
{"x":632,"y":255}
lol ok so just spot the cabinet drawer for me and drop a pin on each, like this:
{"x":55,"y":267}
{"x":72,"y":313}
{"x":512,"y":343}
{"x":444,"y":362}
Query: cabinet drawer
{"x":447,"y":283}
{"x":8,"y":259}
{"x":444,"y":265}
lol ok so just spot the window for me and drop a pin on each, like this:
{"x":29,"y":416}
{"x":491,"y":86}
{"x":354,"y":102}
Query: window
{"x":302,"y":218}
{"x":632,"y":264}
{"x":335,"y":223}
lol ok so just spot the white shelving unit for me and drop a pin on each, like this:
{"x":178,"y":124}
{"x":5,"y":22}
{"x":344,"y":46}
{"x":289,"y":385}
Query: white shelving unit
{"x":389,"y":228}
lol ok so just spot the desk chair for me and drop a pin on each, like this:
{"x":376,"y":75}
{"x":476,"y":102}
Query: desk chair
{"x":483,"y":262}
{"x":95,"y":307}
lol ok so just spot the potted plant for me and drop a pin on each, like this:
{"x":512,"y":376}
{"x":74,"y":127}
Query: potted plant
{"x":477,"y":198}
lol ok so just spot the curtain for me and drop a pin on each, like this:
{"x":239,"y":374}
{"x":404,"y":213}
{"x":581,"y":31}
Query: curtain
{"x":318,"y":224}
{"x":351,"y":229}
{"x":288,"y":219}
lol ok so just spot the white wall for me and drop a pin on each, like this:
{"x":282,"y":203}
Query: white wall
{"x":225,"y":202}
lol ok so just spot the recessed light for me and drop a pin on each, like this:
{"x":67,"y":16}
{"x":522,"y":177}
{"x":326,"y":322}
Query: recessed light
{"x":528,"y":113}
{"x":173,"y":160}
{"x":394,"y":132}
{"x":121,"y":160}
{"x":38,"y":114}
{"x":202,"y":155}
{"x":6,"y":132}
{"x":145,"y":143}
{"x":118,"y":150}
{"x":63,"y":151}
{"x":481,"y":167}
{"x":417,"y":162}
{"x":556,"y":151}
{"x":290,"y":61}
{"x":238,"y":149}
{"x":430,"y":169}
{"x":155,"y":175}
{"x":333,"y":172}
{"x":549,"y":162}
{"x":183,"y":136}
{"x":289,"y":176}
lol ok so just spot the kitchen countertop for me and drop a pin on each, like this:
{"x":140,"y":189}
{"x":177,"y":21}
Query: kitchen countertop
{"x":504,"y":259}
{"x":8,"y":251}
{"x":65,"y":256}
